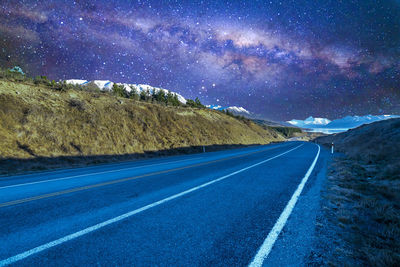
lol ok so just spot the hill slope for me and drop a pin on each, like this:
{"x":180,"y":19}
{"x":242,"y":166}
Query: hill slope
{"x":373,"y":143}
{"x":38,"y":121}
{"x":361,"y":210}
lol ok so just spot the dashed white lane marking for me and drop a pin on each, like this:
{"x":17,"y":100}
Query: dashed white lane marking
{"x":268,"y":243}
{"x":90,"y":229}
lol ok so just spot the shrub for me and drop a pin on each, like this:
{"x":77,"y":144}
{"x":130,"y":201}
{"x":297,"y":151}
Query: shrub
{"x":41,"y":80}
{"x":90,"y":87}
{"x":75,"y":103}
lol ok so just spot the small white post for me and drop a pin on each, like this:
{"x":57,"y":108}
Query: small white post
{"x":332,"y":148}
{"x":204,"y":149}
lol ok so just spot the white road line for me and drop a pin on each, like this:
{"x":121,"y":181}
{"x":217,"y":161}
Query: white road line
{"x":126,"y":215}
{"x":95,"y":173}
{"x":268,"y":243}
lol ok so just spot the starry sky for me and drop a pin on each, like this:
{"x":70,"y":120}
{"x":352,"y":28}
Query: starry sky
{"x":280,"y":59}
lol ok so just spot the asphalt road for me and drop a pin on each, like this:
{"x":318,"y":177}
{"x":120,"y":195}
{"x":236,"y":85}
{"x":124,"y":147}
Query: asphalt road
{"x":219,"y":208}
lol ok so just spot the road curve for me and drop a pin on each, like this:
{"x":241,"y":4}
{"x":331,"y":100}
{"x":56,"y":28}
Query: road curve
{"x":213,"y":208}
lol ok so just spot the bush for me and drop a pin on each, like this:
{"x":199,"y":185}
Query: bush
{"x":90,"y":87}
{"x":75,"y":103}
{"x":41,"y":80}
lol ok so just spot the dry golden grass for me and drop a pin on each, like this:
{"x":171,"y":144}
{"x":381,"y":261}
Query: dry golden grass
{"x":36,"y":121}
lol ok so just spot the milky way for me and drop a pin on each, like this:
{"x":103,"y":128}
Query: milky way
{"x":280,"y":59}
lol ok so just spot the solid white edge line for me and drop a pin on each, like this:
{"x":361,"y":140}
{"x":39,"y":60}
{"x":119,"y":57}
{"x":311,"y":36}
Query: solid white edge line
{"x":90,"y":229}
{"x":94,"y":173}
{"x":268,"y":243}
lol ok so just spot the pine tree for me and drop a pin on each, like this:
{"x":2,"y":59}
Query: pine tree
{"x":149,"y":95}
{"x":160,"y":96}
{"x":119,"y":90}
{"x":154,"y":95}
{"x":133,"y":94}
{"x":198,"y":103}
{"x":170,"y":98}
{"x":190,"y":103}
{"x":143,"y":95}
{"x":176,"y":100}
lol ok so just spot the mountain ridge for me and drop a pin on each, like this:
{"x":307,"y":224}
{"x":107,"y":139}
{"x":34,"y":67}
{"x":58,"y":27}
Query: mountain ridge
{"x":342,"y":124}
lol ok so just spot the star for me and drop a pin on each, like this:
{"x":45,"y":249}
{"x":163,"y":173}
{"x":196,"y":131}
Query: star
{"x":310,"y":55}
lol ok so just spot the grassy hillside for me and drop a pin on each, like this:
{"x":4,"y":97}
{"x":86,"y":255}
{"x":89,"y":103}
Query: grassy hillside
{"x":362,"y":205}
{"x":37,"y":121}
{"x":376,"y":143}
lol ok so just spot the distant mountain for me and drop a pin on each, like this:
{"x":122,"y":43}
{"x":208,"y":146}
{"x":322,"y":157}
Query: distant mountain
{"x":107,"y":85}
{"x":355,"y":121}
{"x":310,"y":122}
{"x":234,"y":109}
{"x":238,"y":110}
{"x":338,"y":125}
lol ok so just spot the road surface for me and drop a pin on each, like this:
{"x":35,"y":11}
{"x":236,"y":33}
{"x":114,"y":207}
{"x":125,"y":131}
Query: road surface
{"x":222,"y":208}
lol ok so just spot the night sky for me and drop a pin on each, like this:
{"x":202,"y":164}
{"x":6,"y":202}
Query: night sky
{"x":281,"y":59}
